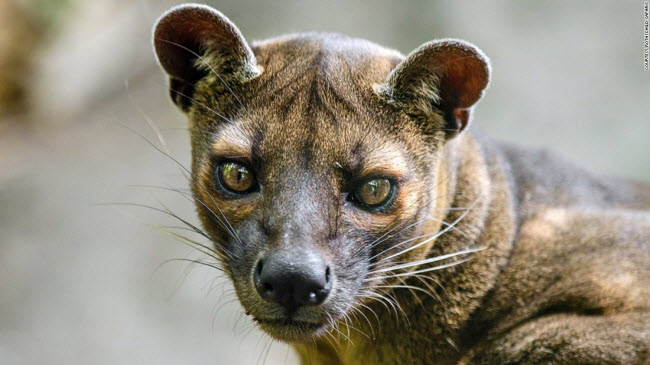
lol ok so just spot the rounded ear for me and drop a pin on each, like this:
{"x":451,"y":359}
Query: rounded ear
{"x":192,"y":40}
{"x":440,"y":77}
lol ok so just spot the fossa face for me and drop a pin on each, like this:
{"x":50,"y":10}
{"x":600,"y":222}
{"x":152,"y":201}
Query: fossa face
{"x":316,"y":159}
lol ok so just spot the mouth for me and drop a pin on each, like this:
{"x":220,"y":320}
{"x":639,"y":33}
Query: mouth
{"x":290,"y":330}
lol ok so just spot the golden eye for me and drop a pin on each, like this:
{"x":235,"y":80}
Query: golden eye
{"x":236,"y":177}
{"x":374,"y":192}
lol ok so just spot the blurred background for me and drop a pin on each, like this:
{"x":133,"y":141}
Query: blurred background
{"x":82,"y":282}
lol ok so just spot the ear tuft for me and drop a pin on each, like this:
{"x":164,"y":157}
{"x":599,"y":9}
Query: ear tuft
{"x":191,"y":40}
{"x":440,"y":77}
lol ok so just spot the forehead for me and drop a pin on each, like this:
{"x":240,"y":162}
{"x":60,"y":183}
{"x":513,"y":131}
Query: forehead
{"x":315,"y":101}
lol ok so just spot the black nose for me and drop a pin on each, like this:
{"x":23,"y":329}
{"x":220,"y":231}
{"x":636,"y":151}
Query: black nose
{"x":293,"y":279}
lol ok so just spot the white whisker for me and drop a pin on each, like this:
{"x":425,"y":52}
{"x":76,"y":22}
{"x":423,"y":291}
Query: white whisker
{"x":443,"y":231}
{"x":427,"y":261}
{"x":419,"y":271}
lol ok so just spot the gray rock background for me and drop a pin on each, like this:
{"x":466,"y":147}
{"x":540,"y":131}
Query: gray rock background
{"x":82,"y":283}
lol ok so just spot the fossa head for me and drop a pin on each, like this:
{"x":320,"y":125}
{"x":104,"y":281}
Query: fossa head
{"x":316,"y":158}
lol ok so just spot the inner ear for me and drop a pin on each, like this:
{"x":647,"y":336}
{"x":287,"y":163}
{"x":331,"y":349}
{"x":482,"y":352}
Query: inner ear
{"x":444,"y":77}
{"x":192,"y":40}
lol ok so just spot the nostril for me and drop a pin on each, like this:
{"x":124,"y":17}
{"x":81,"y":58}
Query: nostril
{"x":262,"y":284}
{"x":268,"y":289}
{"x":259,"y":267}
{"x":327,"y":275}
{"x":319,"y":290}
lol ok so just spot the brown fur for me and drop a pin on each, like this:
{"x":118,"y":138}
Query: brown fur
{"x":562,"y":274}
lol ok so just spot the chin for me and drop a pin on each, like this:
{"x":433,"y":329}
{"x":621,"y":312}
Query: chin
{"x":288,"y":330}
